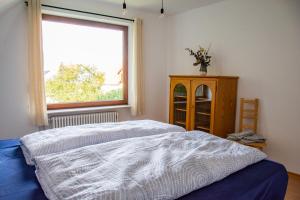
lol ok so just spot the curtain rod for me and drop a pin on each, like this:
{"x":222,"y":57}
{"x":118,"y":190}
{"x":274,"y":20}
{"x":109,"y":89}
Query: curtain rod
{"x":85,"y":12}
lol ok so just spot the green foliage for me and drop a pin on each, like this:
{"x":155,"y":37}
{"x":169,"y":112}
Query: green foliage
{"x":78,"y":83}
{"x":111,"y":95}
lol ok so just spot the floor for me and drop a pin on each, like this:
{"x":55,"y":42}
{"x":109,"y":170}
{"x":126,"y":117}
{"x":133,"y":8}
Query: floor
{"x":293,"y":190}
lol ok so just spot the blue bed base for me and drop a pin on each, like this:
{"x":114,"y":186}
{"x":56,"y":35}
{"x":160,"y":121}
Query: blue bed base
{"x":265,"y":180}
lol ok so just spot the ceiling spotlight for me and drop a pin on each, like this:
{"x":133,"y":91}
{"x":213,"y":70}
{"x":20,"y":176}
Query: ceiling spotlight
{"x":162,"y":10}
{"x":124,"y":12}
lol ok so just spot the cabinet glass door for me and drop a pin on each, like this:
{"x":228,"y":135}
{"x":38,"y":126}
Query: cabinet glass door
{"x":180,"y":105}
{"x":203,"y":108}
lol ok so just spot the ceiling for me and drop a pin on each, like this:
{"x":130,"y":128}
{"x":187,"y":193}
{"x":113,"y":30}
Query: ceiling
{"x":171,"y":6}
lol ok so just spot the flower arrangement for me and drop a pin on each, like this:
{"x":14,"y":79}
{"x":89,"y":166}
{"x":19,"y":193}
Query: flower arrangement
{"x":202,"y":58}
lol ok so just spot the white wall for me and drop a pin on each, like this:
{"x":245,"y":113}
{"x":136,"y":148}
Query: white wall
{"x":14,"y":120}
{"x":259,"y":41}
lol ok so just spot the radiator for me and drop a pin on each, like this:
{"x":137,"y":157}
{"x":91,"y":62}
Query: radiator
{"x":73,"y":120}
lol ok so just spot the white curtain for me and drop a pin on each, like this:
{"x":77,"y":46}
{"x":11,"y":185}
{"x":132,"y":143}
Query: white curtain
{"x":137,"y":100}
{"x":37,"y":100}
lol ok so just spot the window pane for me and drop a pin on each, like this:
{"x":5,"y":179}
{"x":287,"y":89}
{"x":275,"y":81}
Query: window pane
{"x":82,"y":63}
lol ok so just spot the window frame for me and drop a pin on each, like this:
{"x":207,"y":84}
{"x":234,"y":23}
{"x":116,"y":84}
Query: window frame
{"x":89,"y":23}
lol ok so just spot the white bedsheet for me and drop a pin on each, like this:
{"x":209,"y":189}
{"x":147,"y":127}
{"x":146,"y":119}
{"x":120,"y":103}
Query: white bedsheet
{"x":165,"y":166}
{"x":62,"y":139}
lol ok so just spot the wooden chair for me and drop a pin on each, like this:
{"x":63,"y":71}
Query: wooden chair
{"x":248,"y":114}
{"x":249,"y":118}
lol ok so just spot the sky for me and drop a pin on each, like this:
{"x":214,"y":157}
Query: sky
{"x":75,"y":44}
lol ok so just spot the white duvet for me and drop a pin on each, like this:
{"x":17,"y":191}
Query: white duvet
{"x":165,"y":166}
{"x":62,"y":139}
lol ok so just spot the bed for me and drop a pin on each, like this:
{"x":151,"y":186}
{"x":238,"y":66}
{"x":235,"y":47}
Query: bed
{"x":263,"y":180}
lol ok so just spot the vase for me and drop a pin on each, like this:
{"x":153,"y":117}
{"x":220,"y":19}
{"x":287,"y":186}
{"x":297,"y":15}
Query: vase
{"x":203,"y":70}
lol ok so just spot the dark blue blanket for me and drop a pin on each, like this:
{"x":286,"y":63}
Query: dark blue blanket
{"x":264,"y":180}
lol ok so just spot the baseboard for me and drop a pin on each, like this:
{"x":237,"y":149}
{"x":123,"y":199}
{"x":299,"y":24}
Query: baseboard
{"x":294,"y":174}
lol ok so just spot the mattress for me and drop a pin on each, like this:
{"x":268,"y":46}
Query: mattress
{"x":263,"y":180}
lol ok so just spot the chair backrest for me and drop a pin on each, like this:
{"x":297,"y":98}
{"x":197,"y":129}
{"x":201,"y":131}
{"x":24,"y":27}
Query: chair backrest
{"x":248,"y":114}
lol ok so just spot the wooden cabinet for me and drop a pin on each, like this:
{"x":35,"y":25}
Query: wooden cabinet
{"x":206,"y":103}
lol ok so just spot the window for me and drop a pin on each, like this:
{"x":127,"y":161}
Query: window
{"x":85,"y":63}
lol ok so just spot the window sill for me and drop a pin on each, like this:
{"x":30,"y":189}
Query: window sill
{"x":85,"y":110}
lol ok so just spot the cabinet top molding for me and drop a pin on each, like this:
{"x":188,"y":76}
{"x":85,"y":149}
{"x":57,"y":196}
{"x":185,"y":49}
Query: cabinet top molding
{"x":199,"y":76}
